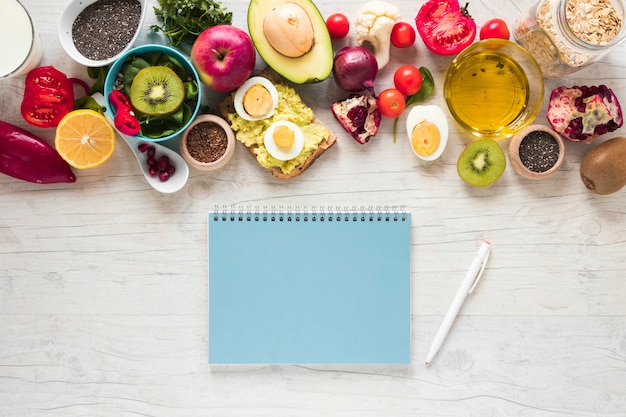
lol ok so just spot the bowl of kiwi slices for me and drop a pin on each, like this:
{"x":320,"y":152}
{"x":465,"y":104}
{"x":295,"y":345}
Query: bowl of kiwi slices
{"x":162,"y":89}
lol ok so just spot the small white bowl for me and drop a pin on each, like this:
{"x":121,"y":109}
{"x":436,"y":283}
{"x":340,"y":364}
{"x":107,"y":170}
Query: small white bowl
{"x":66,"y":22}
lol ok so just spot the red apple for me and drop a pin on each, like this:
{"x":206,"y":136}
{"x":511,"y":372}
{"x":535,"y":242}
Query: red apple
{"x":224,"y":57}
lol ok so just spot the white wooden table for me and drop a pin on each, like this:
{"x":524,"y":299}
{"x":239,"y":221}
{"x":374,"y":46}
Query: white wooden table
{"x":103,"y":283}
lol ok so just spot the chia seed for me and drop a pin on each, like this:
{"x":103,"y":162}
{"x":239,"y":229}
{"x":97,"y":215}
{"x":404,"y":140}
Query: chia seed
{"x":539,"y":151}
{"x":207,"y":142}
{"x":106,"y":27}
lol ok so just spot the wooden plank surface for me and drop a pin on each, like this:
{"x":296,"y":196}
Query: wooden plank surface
{"x":103,"y":286}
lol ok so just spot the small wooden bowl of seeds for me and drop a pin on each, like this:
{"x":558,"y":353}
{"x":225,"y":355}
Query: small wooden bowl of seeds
{"x":537,"y":152}
{"x":208,"y":143}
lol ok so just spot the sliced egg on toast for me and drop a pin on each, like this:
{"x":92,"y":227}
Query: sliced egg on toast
{"x":427,"y":128}
{"x":284,"y":140}
{"x":256,"y":99}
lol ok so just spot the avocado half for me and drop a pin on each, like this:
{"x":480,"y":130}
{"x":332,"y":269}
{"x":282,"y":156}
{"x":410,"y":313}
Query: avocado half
{"x":315,"y":65}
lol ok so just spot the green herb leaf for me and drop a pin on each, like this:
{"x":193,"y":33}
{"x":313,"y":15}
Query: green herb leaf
{"x":88,"y":102}
{"x":182,"y":21}
{"x":428,"y":85}
{"x":99,"y":74}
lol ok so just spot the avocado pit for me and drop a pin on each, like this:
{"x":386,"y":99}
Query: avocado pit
{"x":289,"y":30}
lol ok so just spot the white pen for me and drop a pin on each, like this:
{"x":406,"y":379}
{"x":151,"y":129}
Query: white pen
{"x":468,"y":285}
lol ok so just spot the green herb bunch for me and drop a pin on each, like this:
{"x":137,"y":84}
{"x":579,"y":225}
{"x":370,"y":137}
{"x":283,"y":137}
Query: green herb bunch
{"x":184,"y":20}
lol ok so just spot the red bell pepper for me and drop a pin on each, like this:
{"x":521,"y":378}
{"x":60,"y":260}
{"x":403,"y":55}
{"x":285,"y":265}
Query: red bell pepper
{"x":48,"y":96}
{"x":27,"y":157}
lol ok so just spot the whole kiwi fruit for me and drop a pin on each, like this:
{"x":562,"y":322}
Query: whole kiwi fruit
{"x":603,"y":168}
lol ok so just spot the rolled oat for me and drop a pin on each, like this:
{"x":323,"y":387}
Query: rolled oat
{"x":566,"y":35}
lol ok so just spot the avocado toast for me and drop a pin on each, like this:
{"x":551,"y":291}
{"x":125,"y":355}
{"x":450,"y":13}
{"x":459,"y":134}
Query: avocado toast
{"x":318,"y":138}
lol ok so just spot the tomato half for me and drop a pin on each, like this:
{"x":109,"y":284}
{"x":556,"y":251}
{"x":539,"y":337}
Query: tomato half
{"x":402,"y":35}
{"x":391,"y":102}
{"x":494,"y":28}
{"x":445,"y":27}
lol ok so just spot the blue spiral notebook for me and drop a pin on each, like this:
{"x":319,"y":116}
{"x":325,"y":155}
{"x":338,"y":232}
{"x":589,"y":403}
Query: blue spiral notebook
{"x":329,"y":287}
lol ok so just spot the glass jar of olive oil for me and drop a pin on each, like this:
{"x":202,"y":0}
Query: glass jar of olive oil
{"x":567,"y":35}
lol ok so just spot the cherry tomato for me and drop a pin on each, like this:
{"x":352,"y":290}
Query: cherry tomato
{"x":408,"y":79}
{"x":338,"y":25}
{"x":445,"y":27}
{"x":494,"y":28}
{"x":402,"y":35}
{"x":391,"y":102}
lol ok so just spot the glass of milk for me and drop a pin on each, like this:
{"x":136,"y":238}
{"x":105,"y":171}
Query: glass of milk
{"x":20,"y":44}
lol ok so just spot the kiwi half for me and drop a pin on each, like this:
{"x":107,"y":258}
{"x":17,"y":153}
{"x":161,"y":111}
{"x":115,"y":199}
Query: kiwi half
{"x":481,"y":163}
{"x":157,"y":91}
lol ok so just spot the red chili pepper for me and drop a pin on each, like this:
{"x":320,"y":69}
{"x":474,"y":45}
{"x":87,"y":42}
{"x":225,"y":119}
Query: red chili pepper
{"x":26,"y":157}
{"x":48,"y":96}
{"x":124,"y":120}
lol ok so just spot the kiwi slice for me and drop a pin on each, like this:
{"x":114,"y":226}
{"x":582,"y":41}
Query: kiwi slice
{"x":481,"y":163}
{"x":157,"y":91}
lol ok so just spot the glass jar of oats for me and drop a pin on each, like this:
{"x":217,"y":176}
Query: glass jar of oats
{"x":567,"y":35}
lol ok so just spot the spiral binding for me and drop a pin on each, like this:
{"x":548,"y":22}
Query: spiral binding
{"x":310,"y":214}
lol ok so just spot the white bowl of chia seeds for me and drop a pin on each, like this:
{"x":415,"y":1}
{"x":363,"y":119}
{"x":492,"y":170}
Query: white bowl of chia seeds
{"x":95,"y":33}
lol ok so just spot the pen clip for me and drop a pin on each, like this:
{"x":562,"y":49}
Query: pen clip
{"x":480,"y":272}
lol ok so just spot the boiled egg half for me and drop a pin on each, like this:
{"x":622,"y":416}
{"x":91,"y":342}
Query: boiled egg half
{"x":256,"y":99}
{"x":427,"y":128}
{"x":284,"y":140}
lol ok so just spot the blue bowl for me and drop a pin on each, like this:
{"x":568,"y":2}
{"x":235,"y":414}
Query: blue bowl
{"x":118,"y":65}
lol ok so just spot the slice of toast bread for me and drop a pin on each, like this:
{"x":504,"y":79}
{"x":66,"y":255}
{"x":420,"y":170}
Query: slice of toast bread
{"x":226,"y":106}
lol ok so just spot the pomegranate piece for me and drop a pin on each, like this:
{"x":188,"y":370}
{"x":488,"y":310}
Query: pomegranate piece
{"x":359,"y":115}
{"x":582,"y":113}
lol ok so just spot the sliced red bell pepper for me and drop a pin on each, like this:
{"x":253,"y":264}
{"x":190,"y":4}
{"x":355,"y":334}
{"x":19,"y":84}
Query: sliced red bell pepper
{"x":48,"y":96}
{"x":125,"y":120}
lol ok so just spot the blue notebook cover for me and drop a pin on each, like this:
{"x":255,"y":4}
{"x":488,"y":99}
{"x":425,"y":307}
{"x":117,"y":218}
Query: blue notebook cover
{"x":300,"y":287}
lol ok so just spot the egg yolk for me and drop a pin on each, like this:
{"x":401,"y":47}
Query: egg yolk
{"x":425,"y":138}
{"x":257,"y":101}
{"x":283,"y":136}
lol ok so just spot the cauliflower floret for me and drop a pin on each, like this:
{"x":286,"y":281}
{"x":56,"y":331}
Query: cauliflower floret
{"x":374,"y":24}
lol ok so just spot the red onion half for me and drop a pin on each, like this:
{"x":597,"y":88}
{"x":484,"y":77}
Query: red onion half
{"x":355,"y":69}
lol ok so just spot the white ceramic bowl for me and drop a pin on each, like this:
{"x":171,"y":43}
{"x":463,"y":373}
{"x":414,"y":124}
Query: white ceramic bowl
{"x":66,"y":22}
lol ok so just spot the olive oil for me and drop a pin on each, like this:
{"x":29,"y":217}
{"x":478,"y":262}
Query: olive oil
{"x":487,"y":91}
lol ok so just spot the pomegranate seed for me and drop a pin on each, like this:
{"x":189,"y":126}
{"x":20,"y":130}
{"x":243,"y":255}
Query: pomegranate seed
{"x":163,"y":162}
{"x":157,"y":167}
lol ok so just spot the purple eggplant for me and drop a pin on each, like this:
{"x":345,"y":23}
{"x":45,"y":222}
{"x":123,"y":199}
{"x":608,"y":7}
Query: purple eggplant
{"x":27,"y":157}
